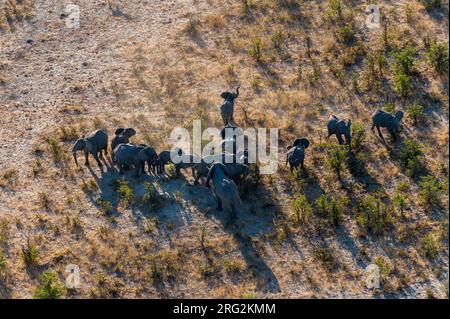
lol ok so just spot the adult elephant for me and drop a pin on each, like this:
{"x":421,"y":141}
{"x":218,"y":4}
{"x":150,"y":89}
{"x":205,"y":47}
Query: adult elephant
{"x":93,"y":144}
{"x":388,"y":121}
{"x":296,"y":153}
{"x":224,"y":189}
{"x":339,"y":127}
{"x":127,"y":155}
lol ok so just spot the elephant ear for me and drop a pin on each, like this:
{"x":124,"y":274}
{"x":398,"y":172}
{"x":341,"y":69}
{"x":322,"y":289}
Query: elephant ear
{"x":301,"y":141}
{"x":399,"y":115}
{"x":225,"y":95}
{"x":129,"y":132}
{"x":119,"y":131}
{"x":79,"y":145}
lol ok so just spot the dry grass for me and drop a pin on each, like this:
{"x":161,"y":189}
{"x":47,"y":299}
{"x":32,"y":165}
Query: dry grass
{"x":297,"y":62}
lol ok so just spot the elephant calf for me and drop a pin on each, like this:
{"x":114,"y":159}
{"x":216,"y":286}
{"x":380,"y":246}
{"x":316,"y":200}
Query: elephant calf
{"x":296,"y":153}
{"x":338,"y":127}
{"x":122,"y":137}
{"x":389,"y":121}
{"x":94,"y":144}
{"x":164,"y":158}
{"x":127,"y":155}
{"x":227,"y":108}
{"x":224,"y":189}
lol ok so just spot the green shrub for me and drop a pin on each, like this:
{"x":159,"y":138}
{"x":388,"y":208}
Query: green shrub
{"x":50,"y":287}
{"x":399,"y":201}
{"x":358,"y":136}
{"x":337,"y":158}
{"x":301,"y":210}
{"x":437,"y":57}
{"x":415,"y":112}
{"x":410,"y":154}
{"x":375,"y":216}
{"x":255,"y":50}
{"x":56,"y":150}
{"x":430,"y":189}
{"x":29,"y":254}
{"x":346,"y":34}
{"x":126,"y":192}
{"x":404,"y":59}
{"x":104,"y":205}
{"x":333,"y":208}
{"x":402,"y":83}
{"x":152,"y":197}
{"x":430,"y":246}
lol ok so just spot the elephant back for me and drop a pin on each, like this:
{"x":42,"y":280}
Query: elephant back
{"x":99,"y":138}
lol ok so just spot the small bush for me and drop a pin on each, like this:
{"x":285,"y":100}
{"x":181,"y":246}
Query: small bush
{"x":404,"y":59}
{"x":2,"y":263}
{"x":56,"y":150}
{"x":375,"y":216}
{"x":346,"y":34}
{"x":152,"y":197}
{"x":255,"y":50}
{"x":437,"y":57}
{"x":402,"y":83}
{"x":358,"y":136}
{"x":430,"y":246}
{"x":333,"y":208}
{"x":104,"y":205}
{"x":29,"y":254}
{"x":399,"y":201}
{"x":126,"y":192}
{"x":337,"y":158}
{"x":301,"y":210}
{"x":231,"y":265}
{"x":410,"y":154}
{"x":50,"y":287}
{"x":415,"y":112}
{"x":430,"y":189}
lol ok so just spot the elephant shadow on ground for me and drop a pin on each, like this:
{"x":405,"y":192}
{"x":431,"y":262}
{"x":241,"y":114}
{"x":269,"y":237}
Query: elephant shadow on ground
{"x":107,"y":194}
{"x":246,"y":226}
{"x":358,"y":170}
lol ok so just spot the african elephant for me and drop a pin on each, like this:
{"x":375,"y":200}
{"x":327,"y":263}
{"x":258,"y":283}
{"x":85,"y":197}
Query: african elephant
{"x":164,"y":158}
{"x":187,"y":161}
{"x":93,"y":144}
{"x":122,"y":137}
{"x":296,"y":153}
{"x":127,"y":155}
{"x":339,"y":127}
{"x":224,"y":189}
{"x":227,"y":108}
{"x":389,"y":121}
{"x":234,"y":169}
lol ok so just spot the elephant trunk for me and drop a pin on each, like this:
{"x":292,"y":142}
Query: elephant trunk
{"x":75,"y":158}
{"x":237,"y":91}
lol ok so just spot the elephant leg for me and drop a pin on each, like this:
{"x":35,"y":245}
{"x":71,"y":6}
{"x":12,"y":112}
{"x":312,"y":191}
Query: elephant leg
{"x":219,"y":204}
{"x":224,"y":119}
{"x":105,"y":150}
{"x":292,"y":167}
{"x":86,"y":158}
{"x":97,"y":160}
{"x":379,"y":133}
{"x":339,"y":138}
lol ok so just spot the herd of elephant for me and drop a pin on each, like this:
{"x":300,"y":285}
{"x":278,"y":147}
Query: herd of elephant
{"x":220,"y":176}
